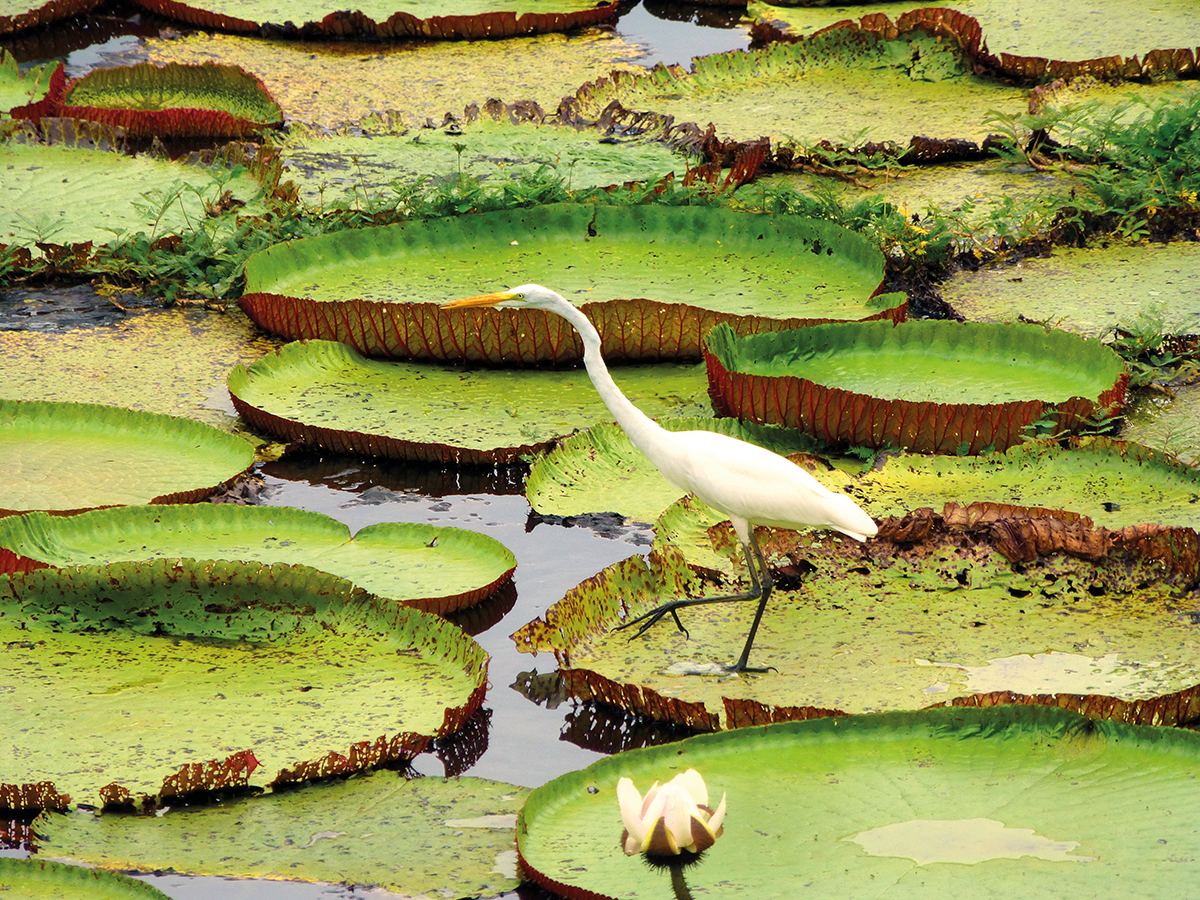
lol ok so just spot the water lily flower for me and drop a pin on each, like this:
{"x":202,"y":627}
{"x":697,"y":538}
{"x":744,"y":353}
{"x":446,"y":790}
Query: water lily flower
{"x":672,"y":818}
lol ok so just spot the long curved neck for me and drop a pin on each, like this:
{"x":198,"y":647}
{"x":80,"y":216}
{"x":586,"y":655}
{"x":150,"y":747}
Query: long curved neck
{"x":642,"y":430}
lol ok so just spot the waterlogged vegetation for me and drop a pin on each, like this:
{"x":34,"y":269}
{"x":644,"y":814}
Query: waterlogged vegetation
{"x":254,"y":675}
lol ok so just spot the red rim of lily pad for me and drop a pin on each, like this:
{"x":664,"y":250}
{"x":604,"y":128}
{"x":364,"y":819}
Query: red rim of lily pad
{"x":849,"y":418}
{"x":965,"y":30}
{"x":398,"y":25}
{"x":179,"y":121}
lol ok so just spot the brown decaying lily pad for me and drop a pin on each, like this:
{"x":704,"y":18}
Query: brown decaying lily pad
{"x":398,"y":26}
{"x":966,"y":31}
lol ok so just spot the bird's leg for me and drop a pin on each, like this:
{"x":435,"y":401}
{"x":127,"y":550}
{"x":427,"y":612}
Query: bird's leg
{"x":767,"y":584}
{"x":759,"y":590}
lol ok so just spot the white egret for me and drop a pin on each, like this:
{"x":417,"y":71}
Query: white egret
{"x":750,"y":484}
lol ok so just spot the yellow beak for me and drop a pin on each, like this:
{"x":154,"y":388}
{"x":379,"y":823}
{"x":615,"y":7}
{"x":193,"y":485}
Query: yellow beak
{"x":481,"y":300}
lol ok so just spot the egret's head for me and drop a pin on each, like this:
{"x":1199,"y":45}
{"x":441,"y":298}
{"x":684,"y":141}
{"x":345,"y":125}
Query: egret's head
{"x":525,"y":296}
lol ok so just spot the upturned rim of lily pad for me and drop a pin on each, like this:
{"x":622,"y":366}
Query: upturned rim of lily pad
{"x":400,"y":25}
{"x":845,"y":417}
{"x":156,"y":428}
{"x":259,"y":534}
{"x":251,"y":108}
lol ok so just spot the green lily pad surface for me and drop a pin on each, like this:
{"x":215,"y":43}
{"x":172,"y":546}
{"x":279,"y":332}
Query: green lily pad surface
{"x":946,"y":803}
{"x":1169,"y":423}
{"x":840,"y":86}
{"x":378,"y":829}
{"x":40,"y":879}
{"x":694,"y":265}
{"x":391,"y":18}
{"x":69,"y":194}
{"x":438,"y":570}
{"x":329,"y":84}
{"x":326,"y":394}
{"x":931,"y":386}
{"x":876,"y":626}
{"x":369,"y":162}
{"x":172,"y":361}
{"x":599,"y":470}
{"x":75,"y":456}
{"x":1088,"y":291}
{"x":1113,"y":483}
{"x":126,"y":672}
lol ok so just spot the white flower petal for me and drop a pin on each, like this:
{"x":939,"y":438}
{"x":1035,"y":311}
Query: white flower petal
{"x":691,"y":782}
{"x":631,"y":805}
{"x":715,"y":820}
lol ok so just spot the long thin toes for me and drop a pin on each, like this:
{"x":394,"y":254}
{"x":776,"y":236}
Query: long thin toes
{"x":679,"y":625}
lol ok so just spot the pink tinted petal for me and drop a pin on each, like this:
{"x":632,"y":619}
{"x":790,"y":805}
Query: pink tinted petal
{"x":677,"y":813}
{"x":650,"y":795}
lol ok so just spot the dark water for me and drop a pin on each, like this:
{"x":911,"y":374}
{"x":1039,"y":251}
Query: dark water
{"x":527,"y":742}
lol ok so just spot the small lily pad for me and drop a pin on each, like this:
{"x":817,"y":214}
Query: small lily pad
{"x":325,"y":394}
{"x":439,"y":570}
{"x":205,"y":101}
{"x":68,"y":457}
{"x":40,"y":879}
{"x":123,"y":673}
{"x":947,"y":803}
{"x":930,"y":386}
{"x":657,"y":279}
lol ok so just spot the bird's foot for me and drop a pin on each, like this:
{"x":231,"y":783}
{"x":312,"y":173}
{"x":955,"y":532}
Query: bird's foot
{"x":722,"y":672}
{"x":652,"y":617}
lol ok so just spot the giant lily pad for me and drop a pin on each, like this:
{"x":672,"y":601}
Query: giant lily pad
{"x":74,"y":456}
{"x":931,"y":386}
{"x":330,"y":84}
{"x":39,"y":879}
{"x":390,"y":18}
{"x":369,"y":162}
{"x":1015,"y":40}
{"x":325,"y":394}
{"x":173,"y":361}
{"x":842,"y":86}
{"x":438,"y":570}
{"x":415,"y":837}
{"x":123,"y":673}
{"x":911,"y":617}
{"x":946,"y":803}
{"x":1088,"y":291}
{"x":76,"y":191}
{"x":209,"y":101}
{"x":374,"y":288}
{"x":1113,"y":483}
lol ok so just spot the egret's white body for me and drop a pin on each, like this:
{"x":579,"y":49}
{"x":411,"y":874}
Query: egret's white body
{"x":748,"y":483}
